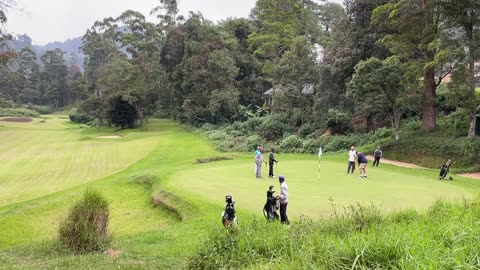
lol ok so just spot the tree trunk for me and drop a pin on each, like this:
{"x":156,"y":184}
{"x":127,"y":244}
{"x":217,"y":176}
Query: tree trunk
{"x":395,"y":118}
{"x":429,"y":121}
{"x":429,"y":84}
{"x":471,"y":77}
{"x":141,"y":115}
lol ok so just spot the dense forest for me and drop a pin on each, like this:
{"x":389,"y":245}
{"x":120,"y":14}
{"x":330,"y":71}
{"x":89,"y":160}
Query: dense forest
{"x":293,"y":67}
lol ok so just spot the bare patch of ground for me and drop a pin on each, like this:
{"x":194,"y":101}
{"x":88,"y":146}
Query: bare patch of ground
{"x":471,"y":175}
{"x":109,"y":137}
{"x":397,"y":163}
{"x":113,"y":253}
{"x":213,"y":159}
{"x":17,"y":119}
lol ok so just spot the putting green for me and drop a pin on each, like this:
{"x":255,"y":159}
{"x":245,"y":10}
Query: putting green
{"x":388,"y":187}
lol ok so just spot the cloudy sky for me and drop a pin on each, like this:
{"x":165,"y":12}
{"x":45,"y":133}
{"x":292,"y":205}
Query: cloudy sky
{"x":56,"y":20}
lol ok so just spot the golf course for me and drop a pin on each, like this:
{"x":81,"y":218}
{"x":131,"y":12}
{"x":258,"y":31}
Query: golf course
{"x":163,"y":202}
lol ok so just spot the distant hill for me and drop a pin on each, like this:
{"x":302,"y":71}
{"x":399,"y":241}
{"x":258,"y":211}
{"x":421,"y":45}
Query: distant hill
{"x":71,"y":47}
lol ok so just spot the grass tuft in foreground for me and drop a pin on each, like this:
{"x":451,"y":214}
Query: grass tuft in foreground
{"x":86,"y":227}
{"x":357,"y":238}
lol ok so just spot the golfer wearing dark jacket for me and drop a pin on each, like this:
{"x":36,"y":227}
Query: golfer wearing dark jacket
{"x":271,"y":160}
{"x":362,"y":164}
{"x":378,"y":155}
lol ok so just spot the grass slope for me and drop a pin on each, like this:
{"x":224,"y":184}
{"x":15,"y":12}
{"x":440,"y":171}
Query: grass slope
{"x":39,"y":158}
{"x":153,"y":237}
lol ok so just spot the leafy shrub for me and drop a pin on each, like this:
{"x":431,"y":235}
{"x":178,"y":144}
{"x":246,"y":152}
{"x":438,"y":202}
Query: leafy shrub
{"x":340,"y":142}
{"x":337,"y":121}
{"x":306,"y":130}
{"x":18,"y":112}
{"x":291,"y":144}
{"x":253,"y":141}
{"x":274,"y":126}
{"x":6,"y":103}
{"x":78,"y":117}
{"x":411,"y":124}
{"x":86,"y":227}
{"x":217,"y":135}
{"x":310,"y":146}
{"x":40,"y":109}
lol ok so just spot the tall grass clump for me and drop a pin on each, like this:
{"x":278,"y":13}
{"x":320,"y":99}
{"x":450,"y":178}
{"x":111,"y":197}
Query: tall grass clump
{"x":447,"y":236}
{"x":86,"y":227}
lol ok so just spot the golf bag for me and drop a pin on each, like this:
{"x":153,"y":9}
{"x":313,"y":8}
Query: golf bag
{"x":228,"y":216}
{"x":444,"y":170}
{"x":271,"y":206}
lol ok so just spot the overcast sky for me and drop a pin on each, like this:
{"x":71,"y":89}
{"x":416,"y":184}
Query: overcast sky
{"x":57,"y":20}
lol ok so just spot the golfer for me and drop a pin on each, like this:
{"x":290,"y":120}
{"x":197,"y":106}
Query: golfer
{"x":362,"y":164}
{"x":258,"y":162}
{"x":283,"y":200}
{"x":352,"y":155}
{"x":271,"y":161}
{"x":377,"y":155}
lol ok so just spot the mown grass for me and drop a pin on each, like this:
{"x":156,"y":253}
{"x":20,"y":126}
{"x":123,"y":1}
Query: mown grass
{"x":154,"y":237}
{"x":41,"y":158}
{"x":387,"y":186}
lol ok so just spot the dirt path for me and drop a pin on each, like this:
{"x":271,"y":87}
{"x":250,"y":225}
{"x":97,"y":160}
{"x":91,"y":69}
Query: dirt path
{"x":411,"y":165}
{"x":397,"y":163}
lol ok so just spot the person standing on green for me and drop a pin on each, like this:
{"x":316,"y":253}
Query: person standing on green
{"x":271,"y":162}
{"x":377,"y":155}
{"x":283,"y":197}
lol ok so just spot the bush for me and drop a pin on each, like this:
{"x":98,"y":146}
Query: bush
{"x":311,"y":146}
{"x":253,"y":141}
{"x":40,"y":109}
{"x":85,"y":229}
{"x":6,"y":103}
{"x":78,"y":117}
{"x":411,"y":124}
{"x":291,"y":144}
{"x":275,"y":125}
{"x":306,"y":130}
{"x":18,"y":112}
{"x":337,"y":121}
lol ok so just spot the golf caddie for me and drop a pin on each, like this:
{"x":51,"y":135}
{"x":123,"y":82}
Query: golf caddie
{"x":283,"y":197}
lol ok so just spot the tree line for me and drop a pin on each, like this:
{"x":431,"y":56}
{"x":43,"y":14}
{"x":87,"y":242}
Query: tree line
{"x":367,"y":62}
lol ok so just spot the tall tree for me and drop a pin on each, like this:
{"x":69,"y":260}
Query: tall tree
{"x":297,"y":73}
{"x":5,"y":53}
{"x":100,"y":49}
{"x":279,"y":25}
{"x":377,"y":87}
{"x":55,"y":78}
{"x":412,"y":27}
{"x":463,"y":20}
{"x":352,"y":40}
{"x":28,"y":76}
{"x":125,"y":81}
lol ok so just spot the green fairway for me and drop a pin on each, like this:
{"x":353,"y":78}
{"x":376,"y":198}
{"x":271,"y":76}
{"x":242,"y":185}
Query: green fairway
{"x":388,"y":187}
{"x":47,"y":166}
{"x":40,"y":158}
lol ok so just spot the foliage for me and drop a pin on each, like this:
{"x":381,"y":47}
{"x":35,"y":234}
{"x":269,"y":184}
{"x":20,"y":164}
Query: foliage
{"x":358,"y":236}
{"x":78,"y":117}
{"x":291,"y":144}
{"x":18,"y":112}
{"x":274,"y":126}
{"x":337,"y":121}
{"x":86,"y":227}
{"x":377,"y":87}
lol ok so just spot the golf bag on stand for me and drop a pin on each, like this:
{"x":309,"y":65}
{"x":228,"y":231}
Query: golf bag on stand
{"x":271,"y":206}
{"x":444,"y":170}
{"x":228,"y":216}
